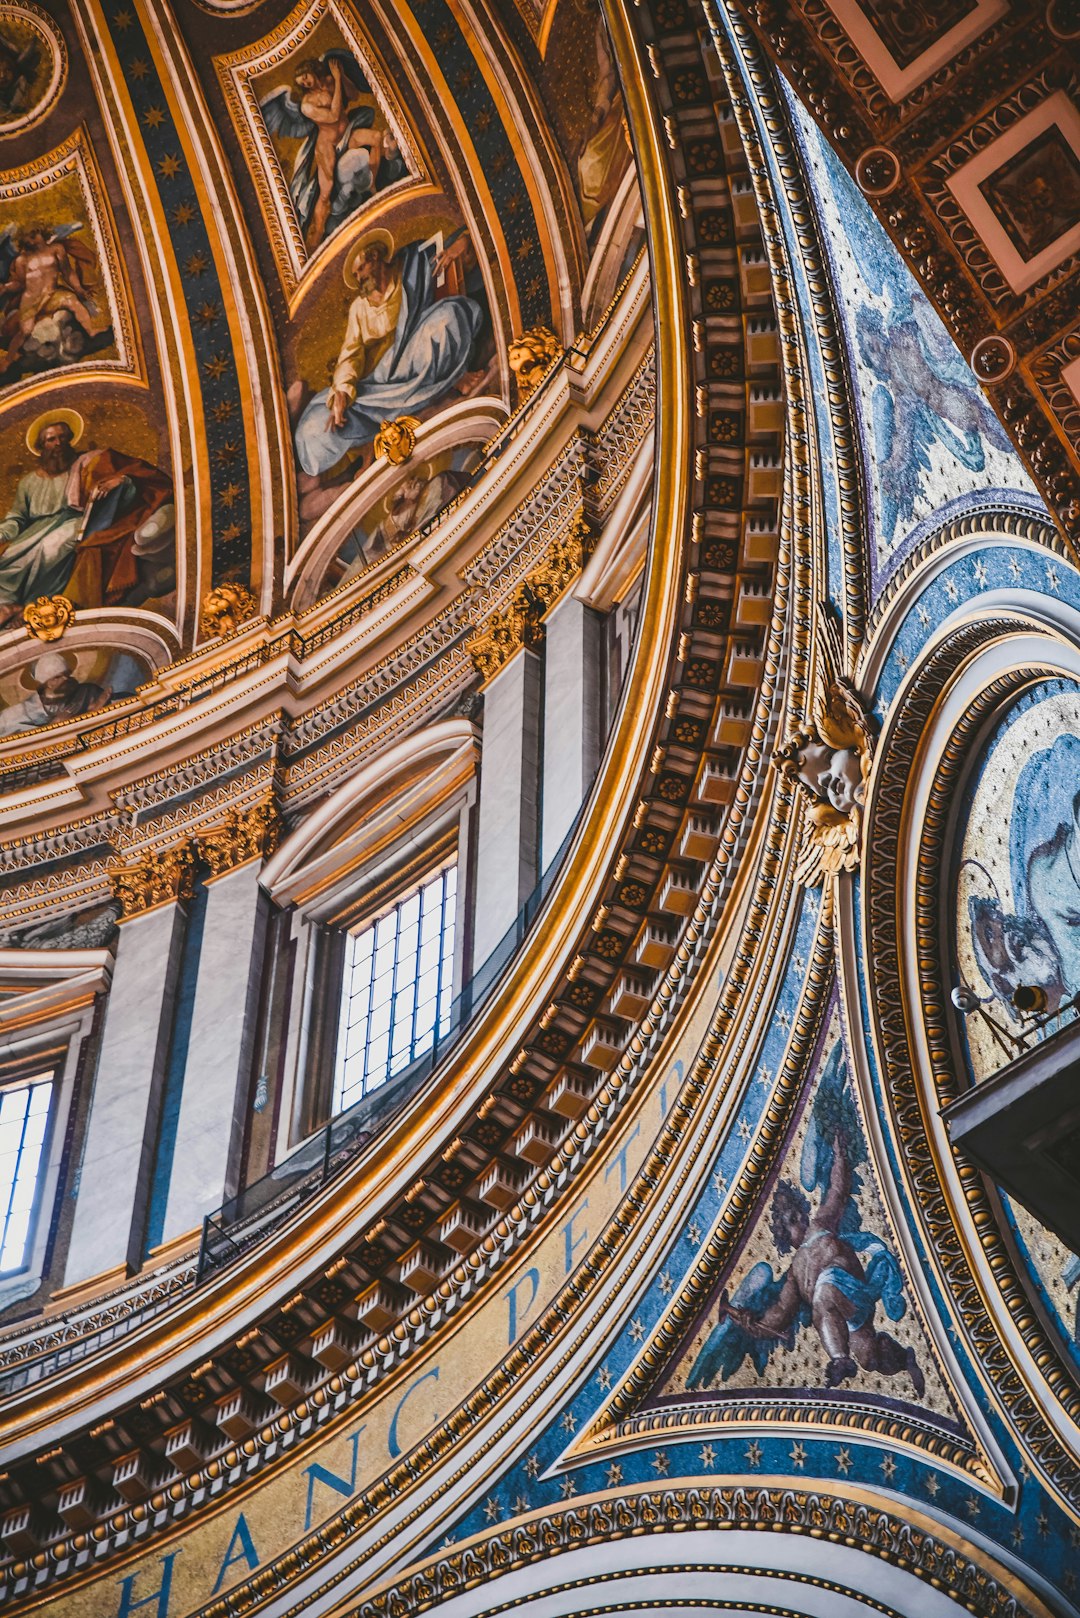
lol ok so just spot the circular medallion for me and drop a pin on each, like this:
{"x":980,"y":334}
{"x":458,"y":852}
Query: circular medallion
{"x":877,"y":171}
{"x":33,"y":66}
{"x":993,"y":358}
{"x":1063,"y":18}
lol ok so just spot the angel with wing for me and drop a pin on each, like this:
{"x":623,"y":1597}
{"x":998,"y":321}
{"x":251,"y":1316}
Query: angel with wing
{"x":838,"y":1273}
{"x":48,"y":310}
{"x":343,"y":157}
{"x":830,"y":763}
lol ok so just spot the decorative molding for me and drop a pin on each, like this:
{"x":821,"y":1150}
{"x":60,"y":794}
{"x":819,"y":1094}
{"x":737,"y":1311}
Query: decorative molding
{"x":988,"y":1339}
{"x":974,"y":1581}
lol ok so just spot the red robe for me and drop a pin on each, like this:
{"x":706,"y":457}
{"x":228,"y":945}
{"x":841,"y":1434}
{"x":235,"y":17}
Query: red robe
{"x":113,"y":545}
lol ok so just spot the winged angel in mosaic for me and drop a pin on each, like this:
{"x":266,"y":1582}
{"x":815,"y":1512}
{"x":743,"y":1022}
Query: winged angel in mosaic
{"x":830,"y":762}
{"x":838,"y":1274}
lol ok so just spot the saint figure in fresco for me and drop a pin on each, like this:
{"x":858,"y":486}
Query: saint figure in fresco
{"x":106,"y":514}
{"x":343,"y":158}
{"x":49,"y":314}
{"x":406,"y":345}
{"x":55,"y":694}
{"x":838,"y":1273}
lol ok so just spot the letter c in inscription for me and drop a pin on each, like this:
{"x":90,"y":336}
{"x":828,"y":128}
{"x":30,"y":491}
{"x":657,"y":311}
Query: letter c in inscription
{"x":392,"y":1438}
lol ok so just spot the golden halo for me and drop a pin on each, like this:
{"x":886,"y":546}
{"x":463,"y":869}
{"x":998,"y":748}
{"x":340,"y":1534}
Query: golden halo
{"x":374,"y":238}
{"x":49,"y":419}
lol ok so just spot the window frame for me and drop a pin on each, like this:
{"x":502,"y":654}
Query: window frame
{"x":369,"y":919}
{"x":406,"y":812}
{"x":49,"y":1011}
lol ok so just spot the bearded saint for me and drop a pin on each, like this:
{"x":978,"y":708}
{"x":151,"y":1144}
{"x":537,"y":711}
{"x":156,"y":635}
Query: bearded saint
{"x":102,"y":512}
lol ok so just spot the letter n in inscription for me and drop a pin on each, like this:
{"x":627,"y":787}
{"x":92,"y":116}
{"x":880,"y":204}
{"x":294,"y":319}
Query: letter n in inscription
{"x":320,"y":1474}
{"x":158,"y":1598}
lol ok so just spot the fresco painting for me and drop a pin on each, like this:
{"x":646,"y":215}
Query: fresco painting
{"x":588,"y":109}
{"x":322,"y":138}
{"x":84,"y":517}
{"x":931,"y":433}
{"x":60,"y":301}
{"x":816,"y":1298}
{"x":1017,"y":913}
{"x":31,"y":66}
{"x":411,"y":335}
{"x":60,"y":685}
{"x":426,"y":488}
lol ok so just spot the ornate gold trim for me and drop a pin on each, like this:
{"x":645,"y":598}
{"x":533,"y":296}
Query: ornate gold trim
{"x":988,"y":1343}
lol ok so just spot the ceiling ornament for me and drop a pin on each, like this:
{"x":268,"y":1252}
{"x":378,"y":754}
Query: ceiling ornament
{"x":396,"y":440}
{"x":531,"y":357}
{"x":48,"y":616}
{"x":226,"y":607}
{"x":829,"y":762}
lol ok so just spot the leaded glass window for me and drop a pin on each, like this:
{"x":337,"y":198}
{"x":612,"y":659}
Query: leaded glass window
{"x":397,"y":988}
{"x":24,"y":1118}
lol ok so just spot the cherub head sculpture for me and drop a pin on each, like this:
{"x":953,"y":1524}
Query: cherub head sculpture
{"x":530,"y":356}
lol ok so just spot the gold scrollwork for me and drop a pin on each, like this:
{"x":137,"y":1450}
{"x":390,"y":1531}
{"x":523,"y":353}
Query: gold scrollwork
{"x":246,"y":834}
{"x":521,"y":623}
{"x":159,"y":877}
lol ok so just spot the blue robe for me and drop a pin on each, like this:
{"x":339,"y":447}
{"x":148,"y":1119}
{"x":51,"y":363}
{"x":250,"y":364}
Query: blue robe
{"x":428,"y":354}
